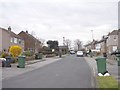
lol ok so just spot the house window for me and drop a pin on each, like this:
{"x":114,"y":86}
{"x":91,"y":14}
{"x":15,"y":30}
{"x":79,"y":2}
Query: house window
{"x":19,"y":41}
{"x":11,"y":40}
{"x":115,"y":38}
{"x":114,"y":48}
{"x":15,"y":40}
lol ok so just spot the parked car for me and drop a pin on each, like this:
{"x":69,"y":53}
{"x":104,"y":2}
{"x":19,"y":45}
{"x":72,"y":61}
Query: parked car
{"x":72,"y":52}
{"x":80,"y":53}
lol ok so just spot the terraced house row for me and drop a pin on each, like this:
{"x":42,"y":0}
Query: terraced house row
{"x":23,"y":39}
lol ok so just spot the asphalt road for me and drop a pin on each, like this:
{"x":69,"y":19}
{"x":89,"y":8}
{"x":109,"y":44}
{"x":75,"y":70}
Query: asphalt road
{"x":69,"y":72}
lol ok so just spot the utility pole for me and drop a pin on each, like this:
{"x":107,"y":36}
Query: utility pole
{"x":118,"y":25}
{"x":63,"y":41}
{"x":64,"y":45}
{"x":92,"y":34}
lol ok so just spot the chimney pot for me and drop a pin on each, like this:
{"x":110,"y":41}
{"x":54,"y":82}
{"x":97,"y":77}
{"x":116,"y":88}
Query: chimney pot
{"x":9,"y":28}
{"x":26,"y":31}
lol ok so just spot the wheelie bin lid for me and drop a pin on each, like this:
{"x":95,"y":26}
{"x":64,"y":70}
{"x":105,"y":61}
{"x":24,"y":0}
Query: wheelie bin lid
{"x":100,"y":58}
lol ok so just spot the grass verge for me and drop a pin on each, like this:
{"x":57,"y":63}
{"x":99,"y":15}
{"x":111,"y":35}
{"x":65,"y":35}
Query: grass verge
{"x":107,"y":82}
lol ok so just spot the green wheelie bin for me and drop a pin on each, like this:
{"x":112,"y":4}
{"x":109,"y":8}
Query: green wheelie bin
{"x":118,"y":56}
{"x":101,"y":65}
{"x":21,"y":62}
{"x":40,"y":55}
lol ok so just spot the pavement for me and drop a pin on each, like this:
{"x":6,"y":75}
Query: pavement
{"x":67,"y":72}
{"x":30,"y":65}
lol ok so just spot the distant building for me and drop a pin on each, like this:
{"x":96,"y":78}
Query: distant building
{"x":9,"y":38}
{"x":88,"y":46}
{"x":112,"y":41}
{"x":102,"y":44}
{"x":107,"y":44}
{"x":91,"y":45}
{"x":31,"y":43}
{"x":64,"y":49}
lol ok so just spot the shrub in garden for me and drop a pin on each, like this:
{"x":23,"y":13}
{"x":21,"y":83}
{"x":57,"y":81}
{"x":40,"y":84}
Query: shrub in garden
{"x":98,"y":53}
{"x":28,"y":53}
{"x":3,"y":55}
{"x":15,"y":50}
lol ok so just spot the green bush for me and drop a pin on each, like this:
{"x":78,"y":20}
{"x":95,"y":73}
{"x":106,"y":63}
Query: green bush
{"x":98,"y":53}
{"x":28,"y":53}
{"x":4,"y":55}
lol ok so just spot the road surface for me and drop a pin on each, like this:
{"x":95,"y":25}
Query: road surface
{"x":69,"y":72}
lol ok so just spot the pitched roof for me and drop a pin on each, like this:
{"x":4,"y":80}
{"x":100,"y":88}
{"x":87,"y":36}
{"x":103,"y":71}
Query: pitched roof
{"x":11,"y":33}
{"x":91,"y":43}
{"x":103,"y":39}
{"x":31,"y":36}
{"x":114,"y":32}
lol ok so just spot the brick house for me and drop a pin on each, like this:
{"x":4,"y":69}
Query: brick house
{"x":9,"y":38}
{"x":31,"y":43}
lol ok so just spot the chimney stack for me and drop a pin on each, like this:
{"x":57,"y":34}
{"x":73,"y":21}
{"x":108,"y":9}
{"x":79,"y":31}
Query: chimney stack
{"x":9,"y":29}
{"x":26,"y":31}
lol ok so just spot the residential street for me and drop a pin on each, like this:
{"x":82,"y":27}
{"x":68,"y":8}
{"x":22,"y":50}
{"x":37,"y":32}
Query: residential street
{"x":60,"y":44}
{"x":69,"y":72}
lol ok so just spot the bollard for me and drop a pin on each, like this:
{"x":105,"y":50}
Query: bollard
{"x":60,"y":55}
{"x":91,"y":54}
{"x":118,"y":56}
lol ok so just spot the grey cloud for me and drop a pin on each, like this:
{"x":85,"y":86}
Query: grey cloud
{"x":70,"y":18}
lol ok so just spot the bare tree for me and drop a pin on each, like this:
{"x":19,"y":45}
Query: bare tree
{"x":78,"y":44}
{"x":39,"y":44}
{"x":42,"y":41}
{"x":88,"y":42}
{"x":68,"y":43}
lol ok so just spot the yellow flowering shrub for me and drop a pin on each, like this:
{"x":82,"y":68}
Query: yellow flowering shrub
{"x":15,"y":50}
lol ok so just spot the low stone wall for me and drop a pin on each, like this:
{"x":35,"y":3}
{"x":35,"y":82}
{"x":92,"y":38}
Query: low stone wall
{"x":50,"y":55}
{"x":30,"y":58}
{"x":111,"y":57}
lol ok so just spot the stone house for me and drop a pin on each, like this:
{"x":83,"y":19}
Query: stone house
{"x":112,"y":41}
{"x":119,"y":39}
{"x":9,"y":38}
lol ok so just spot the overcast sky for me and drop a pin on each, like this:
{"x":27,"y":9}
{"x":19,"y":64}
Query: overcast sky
{"x":55,"y":19}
